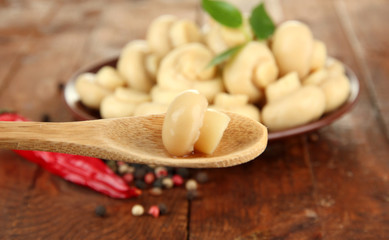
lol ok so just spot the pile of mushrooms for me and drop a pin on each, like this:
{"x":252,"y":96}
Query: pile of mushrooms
{"x":285,"y":81}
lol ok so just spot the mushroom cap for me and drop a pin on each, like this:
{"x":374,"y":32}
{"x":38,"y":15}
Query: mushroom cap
{"x":292,"y":47}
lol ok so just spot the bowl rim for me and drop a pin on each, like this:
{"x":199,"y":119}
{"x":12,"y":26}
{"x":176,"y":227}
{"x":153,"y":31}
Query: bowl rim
{"x":80,"y":112}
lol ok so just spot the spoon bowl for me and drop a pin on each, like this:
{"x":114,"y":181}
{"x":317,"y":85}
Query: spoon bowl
{"x":133,"y":139}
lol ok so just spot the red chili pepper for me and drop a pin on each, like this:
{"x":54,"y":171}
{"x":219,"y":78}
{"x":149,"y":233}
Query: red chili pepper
{"x":82,"y":170}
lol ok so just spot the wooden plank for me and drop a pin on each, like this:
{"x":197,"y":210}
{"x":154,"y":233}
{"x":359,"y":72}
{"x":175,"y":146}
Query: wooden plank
{"x":32,"y":89}
{"x":16,"y":180}
{"x":76,"y":35}
{"x":370,"y":44}
{"x":59,"y":210}
{"x":349,"y":160}
{"x":268,"y":198}
{"x":15,"y":31}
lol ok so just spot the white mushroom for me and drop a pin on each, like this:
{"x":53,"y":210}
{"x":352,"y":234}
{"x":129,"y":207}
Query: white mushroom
{"x":91,"y":94}
{"x":148,"y":108}
{"x":163,"y":96}
{"x":131,"y":65}
{"x":167,"y":32}
{"x":334,"y":67}
{"x":184,"y":31}
{"x":237,"y":103}
{"x":315,"y":78}
{"x":292,"y":46}
{"x":131,"y":95}
{"x":158,"y":35}
{"x":282,"y":87}
{"x":182,"y":123}
{"x":220,"y":38}
{"x":113,"y":107}
{"x":209,"y":88}
{"x":319,"y":56}
{"x":240,"y":73}
{"x":336,"y":90}
{"x":185,"y":67}
{"x":109,"y":78}
{"x":300,"y":107}
{"x":212,"y":130}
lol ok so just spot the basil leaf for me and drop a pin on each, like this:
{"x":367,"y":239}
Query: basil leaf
{"x":224,"y":56}
{"x":223,"y":12}
{"x":261,"y":23}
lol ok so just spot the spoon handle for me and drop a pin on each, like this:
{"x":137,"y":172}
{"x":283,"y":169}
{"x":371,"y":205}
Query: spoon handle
{"x":69,"y":137}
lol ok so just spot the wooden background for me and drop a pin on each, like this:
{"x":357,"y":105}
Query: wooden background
{"x":331,"y":184}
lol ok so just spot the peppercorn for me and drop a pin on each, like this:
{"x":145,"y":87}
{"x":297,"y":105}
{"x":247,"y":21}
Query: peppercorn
{"x":140,"y":184}
{"x":154,"y":211}
{"x":139,"y":173}
{"x":137,"y":210}
{"x":191,"y":184}
{"x":202,"y":177}
{"x":160,"y":172}
{"x":162,"y":208}
{"x":167,"y":182}
{"x":128,"y":177}
{"x":45,"y":118}
{"x":123,"y":168}
{"x":177,"y":180}
{"x":149,"y":178}
{"x":155,"y":191}
{"x":170,"y":171}
{"x":183,"y":172}
{"x":158,"y":183}
{"x":100,"y":211}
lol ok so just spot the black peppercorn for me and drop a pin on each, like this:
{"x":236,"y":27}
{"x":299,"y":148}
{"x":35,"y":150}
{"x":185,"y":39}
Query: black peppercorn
{"x":100,"y":211}
{"x":162,"y":208}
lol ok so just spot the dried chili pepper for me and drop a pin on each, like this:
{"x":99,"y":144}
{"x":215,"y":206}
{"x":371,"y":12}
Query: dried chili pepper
{"x":82,"y":170}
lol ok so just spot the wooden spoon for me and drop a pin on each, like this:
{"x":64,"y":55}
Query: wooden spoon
{"x":133,"y":139}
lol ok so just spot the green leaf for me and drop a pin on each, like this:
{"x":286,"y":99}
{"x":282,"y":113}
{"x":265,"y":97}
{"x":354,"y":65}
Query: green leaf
{"x":223,"y":12}
{"x":261,"y":23}
{"x":224,"y":56}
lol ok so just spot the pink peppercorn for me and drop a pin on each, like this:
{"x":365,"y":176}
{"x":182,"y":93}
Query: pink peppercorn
{"x":154,"y":211}
{"x":177,"y":180}
{"x":128,"y":177}
{"x":161,"y":172}
{"x":149,"y":178}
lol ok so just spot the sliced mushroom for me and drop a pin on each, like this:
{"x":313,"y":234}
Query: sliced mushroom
{"x":184,"y":65}
{"x":113,"y":107}
{"x":182,"y":123}
{"x":131,"y":65}
{"x":239,"y":73}
{"x":212,"y":130}
{"x":220,"y":38}
{"x":282,"y":87}
{"x":298,"y":108}
{"x":319,"y":56}
{"x":148,"y":108}
{"x":131,"y":95}
{"x":237,"y":103}
{"x":91,"y":93}
{"x":184,"y":31}
{"x":158,"y":35}
{"x":336,"y":90}
{"x":109,"y":78}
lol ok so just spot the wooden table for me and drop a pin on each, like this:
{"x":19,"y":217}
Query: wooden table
{"x":331,"y":184}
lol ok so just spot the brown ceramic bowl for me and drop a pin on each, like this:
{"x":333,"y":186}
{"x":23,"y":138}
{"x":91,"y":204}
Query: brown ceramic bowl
{"x":81,"y":112}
